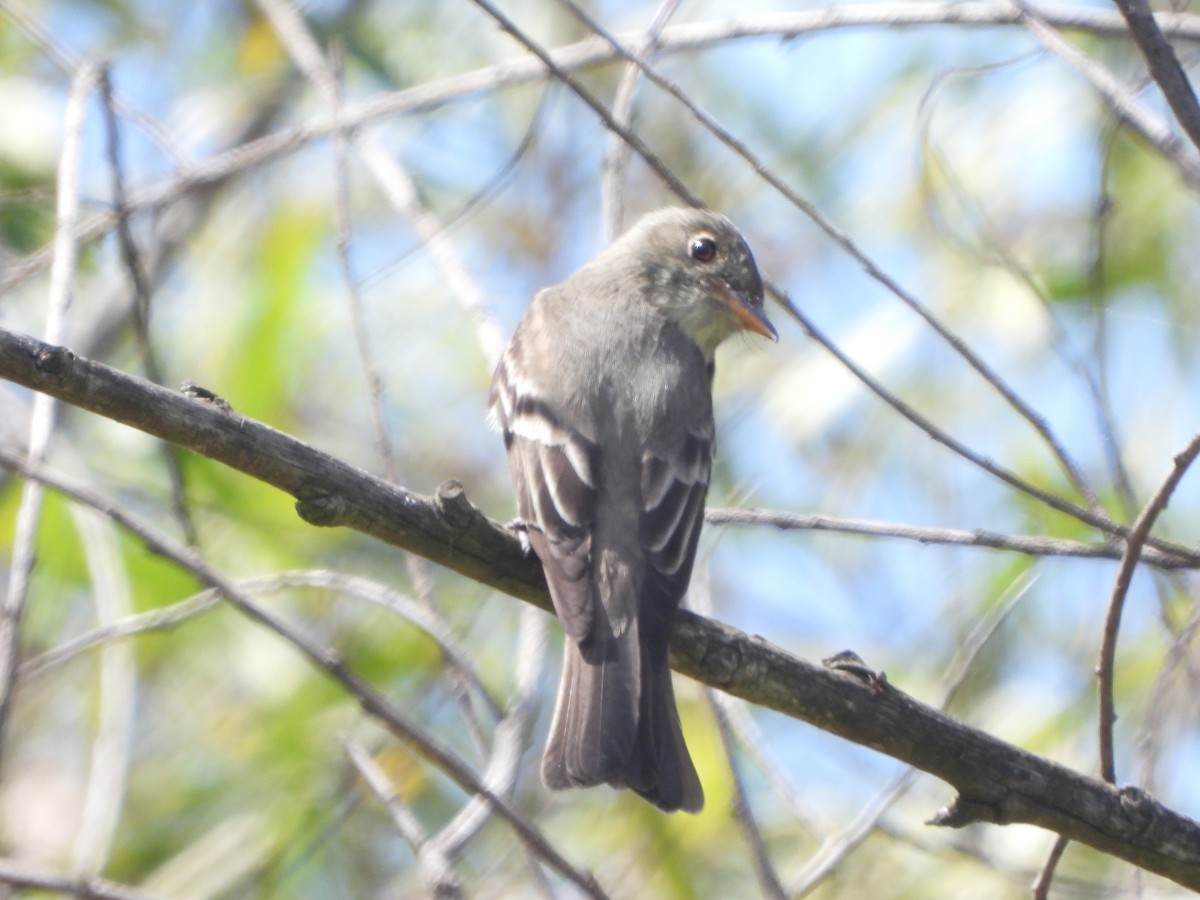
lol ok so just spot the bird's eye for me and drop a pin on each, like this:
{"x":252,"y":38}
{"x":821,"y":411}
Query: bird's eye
{"x":703,"y":249}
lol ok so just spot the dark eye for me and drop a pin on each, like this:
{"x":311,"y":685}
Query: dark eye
{"x":703,"y":249}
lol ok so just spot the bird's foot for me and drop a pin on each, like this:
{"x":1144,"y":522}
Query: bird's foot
{"x":521,"y":529}
{"x":852,"y":664}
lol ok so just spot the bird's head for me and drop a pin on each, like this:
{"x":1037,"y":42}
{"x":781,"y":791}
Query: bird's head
{"x":694,"y":266}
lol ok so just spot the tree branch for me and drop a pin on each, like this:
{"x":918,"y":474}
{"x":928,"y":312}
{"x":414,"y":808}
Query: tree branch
{"x":679,"y":38}
{"x":1120,"y":99}
{"x":996,"y":782}
{"x":19,"y":874}
{"x":1116,"y":604}
{"x":373,"y":702}
{"x":1164,"y":65}
{"x":1031,"y":545}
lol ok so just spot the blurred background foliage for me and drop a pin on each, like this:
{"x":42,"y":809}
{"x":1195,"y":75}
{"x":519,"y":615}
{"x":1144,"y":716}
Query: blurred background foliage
{"x":977,"y":169}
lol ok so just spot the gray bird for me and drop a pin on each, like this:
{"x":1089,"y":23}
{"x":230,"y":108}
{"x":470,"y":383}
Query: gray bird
{"x":604,"y":397}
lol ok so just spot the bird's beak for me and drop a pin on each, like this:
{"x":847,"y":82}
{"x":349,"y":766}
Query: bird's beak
{"x":754,"y":318}
{"x":750,"y":316}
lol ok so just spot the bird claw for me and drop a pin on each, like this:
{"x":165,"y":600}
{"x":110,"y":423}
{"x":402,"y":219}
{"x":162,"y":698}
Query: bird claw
{"x":852,"y":664}
{"x":521,"y":529}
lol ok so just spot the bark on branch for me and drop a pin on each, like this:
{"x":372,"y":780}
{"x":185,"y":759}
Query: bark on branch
{"x":995,"y":781}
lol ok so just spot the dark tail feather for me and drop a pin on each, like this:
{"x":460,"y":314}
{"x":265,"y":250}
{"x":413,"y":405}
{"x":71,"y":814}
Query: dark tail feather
{"x":596,"y":715}
{"x":660,"y":768}
{"x":615,"y":721}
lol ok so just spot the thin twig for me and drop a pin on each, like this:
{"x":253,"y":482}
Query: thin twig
{"x":838,"y":846}
{"x":21,"y":874}
{"x":1017,"y":543}
{"x":510,"y":738}
{"x":117,"y":700}
{"x":320,"y":579}
{"x":135,"y":268}
{"x":763,"y":755}
{"x":479,"y":198}
{"x":760,"y":859}
{"x":700,"y":599}
{"x":396,"y":184}
{"x":636,"y":143}
{"x":1158,"y":708}
{"x":358,"y":319}
{"x":163,"y":619}
{"x":512,"y":733}
{"x":401,"y":192}
{"x":1005,"y":475}
{"x":1112,"y":622}
{"x":675,"y":39}
{"x":1122,"y":102}
{"x":1045,"y":878}
{"x":69,"y":61}
{"x":41,"y":426}
{"x":1000,"y":253}
{"x":1097,"y":292}
{"x":324,"y":659}
{"x":874,"y":270}
{"x":615,"y":164}
{"x":835,"y":848}
{"x":436,"y":870}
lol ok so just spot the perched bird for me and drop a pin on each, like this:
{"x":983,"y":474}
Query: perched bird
{"x":604,"y":397}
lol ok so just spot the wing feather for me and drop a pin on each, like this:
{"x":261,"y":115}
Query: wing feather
{"x":675,"y":477}
{"x":554,"y":470}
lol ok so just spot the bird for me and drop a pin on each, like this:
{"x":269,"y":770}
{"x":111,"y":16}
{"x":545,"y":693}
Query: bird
{"x":604,"y":399}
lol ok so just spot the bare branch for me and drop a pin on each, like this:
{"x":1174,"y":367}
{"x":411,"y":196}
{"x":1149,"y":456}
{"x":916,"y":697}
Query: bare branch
{"x":439,"y":875}
{"x":996,"y":782}
{"x":23,"y":875}
{"x":674,"y":39}
{"x":616,"y":154}
{"x":760,"y":860}
{"x":1164,"y":65}
{"x":769,"y":883}
{"x":847,"y":244}
{"x":1006,"y":475}
{"x":1119,"y":98}
{"x":1045,"y":878}
{"x":69,"y":62}
{"x":395,"y":183}
{"x":136,"y":269}
{"x":324,"y":659}
{"x":996,"y":250}
{"x":161,"y":619}
{"x":1098,"y":292}
{"x":41,"y":426}
{"x":355,"y":586}
{"x":837,"y":847}
{"x":117,"y":701}
{"x":977,"y":537}
{"x":636,"y":143}
{"x":1112,"y":622}
{"x":510,"y":739}
{"x":358,"y":317}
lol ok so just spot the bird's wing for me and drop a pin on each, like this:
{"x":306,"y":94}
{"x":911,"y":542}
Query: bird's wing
{"x":675,"y":472}
{"x":554,"y":470}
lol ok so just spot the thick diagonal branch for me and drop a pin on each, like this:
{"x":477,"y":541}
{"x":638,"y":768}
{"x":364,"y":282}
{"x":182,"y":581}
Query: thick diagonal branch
{"x":996,"y":782}
{"x":1164,"y":65}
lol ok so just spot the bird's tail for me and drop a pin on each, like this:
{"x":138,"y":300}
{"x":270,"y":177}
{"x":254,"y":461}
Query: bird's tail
{"x":660,"y":768}
{"x":615,"y":721}
{"x":595,"y":717}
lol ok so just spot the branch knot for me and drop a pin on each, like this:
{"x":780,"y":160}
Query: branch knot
{"x":53,"y":362}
